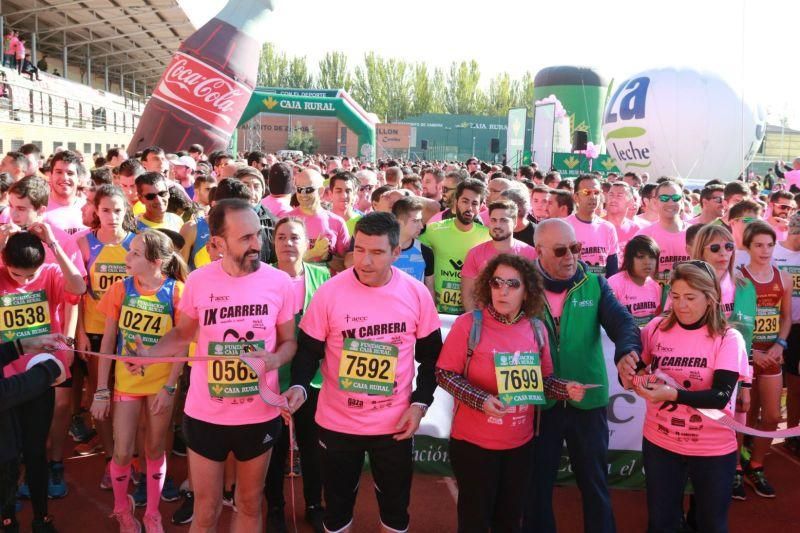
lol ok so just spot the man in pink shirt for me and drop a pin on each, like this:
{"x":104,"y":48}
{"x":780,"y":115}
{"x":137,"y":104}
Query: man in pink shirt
{"x":600,"y":250}
{"x":712,"y":204}
{"x":233,"y":306}
{"x":327,"y":232}
{"x":781,"y":207}
{"x":669,"y":231}
{"x":502,"y":218}
{"x":649,"y":212}
{"x":618,"y":202}
{"x":343,"y":186}
{"x":64,"y":206}
{"x":365,"y":328}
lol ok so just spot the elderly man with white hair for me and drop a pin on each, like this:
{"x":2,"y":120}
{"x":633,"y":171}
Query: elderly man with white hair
{"x":581,"y":303}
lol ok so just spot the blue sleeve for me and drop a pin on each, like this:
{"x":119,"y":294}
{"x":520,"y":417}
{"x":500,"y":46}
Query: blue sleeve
{"x":612,"y":265}
{"x":618,"y":323}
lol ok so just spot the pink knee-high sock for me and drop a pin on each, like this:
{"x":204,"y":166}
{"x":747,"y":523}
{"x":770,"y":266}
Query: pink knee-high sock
{"x":120,"y":475}
{"x":156,"y":471}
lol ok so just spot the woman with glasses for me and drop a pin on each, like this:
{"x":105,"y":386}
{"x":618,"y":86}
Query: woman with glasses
{"x":697,"y":356}
{"x":496,"y":364}
{"x":715,"y":245}
{"x":773,"y":323}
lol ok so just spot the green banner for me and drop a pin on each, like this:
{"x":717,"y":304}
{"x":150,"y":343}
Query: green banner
{"x":572,"y":165}
{"x":584,"y":105}
{"x":515,"y":136}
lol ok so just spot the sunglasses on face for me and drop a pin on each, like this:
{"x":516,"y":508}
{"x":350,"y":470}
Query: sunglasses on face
{"x":716,"y":247}
{"x":590,"y":192}
{"x":574,"y":249}
{"x":306,"y":190}
{"x":153,"y":195}
{"x":499,"y":283}
{"x":668,"y":197}
{"x":782,"y":207}
{"x":747,"y":220}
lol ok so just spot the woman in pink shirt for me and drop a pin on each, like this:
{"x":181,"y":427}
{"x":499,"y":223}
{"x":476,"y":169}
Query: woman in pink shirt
{"x":634,"y":285}
{"x":697,"y":357}
{"x":493,"y":425}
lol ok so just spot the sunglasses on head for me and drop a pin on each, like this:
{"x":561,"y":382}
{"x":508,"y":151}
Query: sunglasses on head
{"x":498,"y":283}
{"x":590,"y":192}
{"x":561,"y":251}
{"x":668,"y":197}
{"x":716,"y":247}
{"x":702,"y":265}
{"x":153,"y":195}
{"x":306,"y":190}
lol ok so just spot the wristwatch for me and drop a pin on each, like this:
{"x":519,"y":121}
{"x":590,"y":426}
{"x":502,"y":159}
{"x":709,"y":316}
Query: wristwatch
{"x":782,"y":343}
{"x":422,"y":407}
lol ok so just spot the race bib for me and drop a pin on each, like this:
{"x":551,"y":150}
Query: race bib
{"x":104,"y":275}
{"x":233,"y":378}
{"x":767,"y":324}
{"x":450,"y":298}
{"x":519,"y":378}
{"x":368,"y":367}
{"x":795,"y":272}
{"x":149,"y":319}
{"x":24,"y":315}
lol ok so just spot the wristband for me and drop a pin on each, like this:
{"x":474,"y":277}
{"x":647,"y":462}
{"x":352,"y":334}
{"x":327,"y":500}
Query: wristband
{"x":170,"y":389}
{"x":782,"y":343}
{"x":102,"y":395}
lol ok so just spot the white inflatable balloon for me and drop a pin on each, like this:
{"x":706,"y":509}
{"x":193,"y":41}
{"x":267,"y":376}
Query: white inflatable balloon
{"x":681,"y":122}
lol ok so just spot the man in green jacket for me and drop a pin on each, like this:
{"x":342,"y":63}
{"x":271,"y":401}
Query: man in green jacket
{"x":578,"y":304}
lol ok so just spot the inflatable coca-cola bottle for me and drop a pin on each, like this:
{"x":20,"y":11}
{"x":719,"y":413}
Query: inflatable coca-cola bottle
{"x":202,"y":94}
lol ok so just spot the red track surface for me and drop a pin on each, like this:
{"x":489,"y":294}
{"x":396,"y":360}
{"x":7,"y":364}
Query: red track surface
{"x":86,"y":507}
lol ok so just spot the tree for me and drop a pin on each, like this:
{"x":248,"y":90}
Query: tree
{"x":526,"y":92}
{"x":463,"y":96}
{"x":333,"y":72}
{"x":369,"y":85}
{"x":304,"y":141}
{"x":396,"y":74}
{"x":273,"y":67}
{"x":503,"y":95}
{"x":428,"y":97}
{"x":298,"y":75}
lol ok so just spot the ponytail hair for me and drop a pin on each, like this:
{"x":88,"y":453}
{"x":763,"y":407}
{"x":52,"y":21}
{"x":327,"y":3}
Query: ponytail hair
{"x":158,"y":246}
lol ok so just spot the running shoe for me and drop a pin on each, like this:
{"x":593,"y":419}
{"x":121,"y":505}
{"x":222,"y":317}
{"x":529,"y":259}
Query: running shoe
{"x":152,"y":523}
{"x":128,"y":522}
{"x":9,"y":525}
{"x":78,"y":430}
{"x":314,"y":516}
{"x":738,"y":486}
{"x":228,"y":497}
{"x":43,"y":525}
{"x":755,"y":478}
{"x":169,"y":493}
{"x":276,"y":521}
{"x":105,"y":481}
{"x":140,"y":494}
{"x":56,"y":486}
{"x":89,"y":447}
{"x":23,"y":491}
{"x":185,"y":513}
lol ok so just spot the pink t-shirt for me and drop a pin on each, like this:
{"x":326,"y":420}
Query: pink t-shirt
{"x":673,"y":248}
{"x":728,"y":288}
{"x":277,"y":205}
{"x":690,"y":357}
{"x":65,"y":217}
{"x":555,"y":301}
{"x":642,"y":222}
{"x":299,"y":288}
{"x":325,"y":224}
{"x":515,"y":428}
{"x":33,"y":309}
{"x":395,"y":315}
{"x":781,"y":232}
{"x":643,"y":301}
{"x":481,"y":254}
{"x":625,"y":232}
{"x":599,"y":239}
{"x":234,"y":313}
{"x":792,"y":178}
{"x":437,"y":217}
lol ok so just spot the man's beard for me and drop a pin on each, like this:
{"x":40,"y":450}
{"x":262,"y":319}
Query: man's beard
{"x":497,"y":238}
{"x":462,"y":219}
{"x":249,"y":265}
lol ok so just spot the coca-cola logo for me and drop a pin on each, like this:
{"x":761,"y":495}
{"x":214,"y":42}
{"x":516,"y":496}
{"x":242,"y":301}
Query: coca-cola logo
{"x":203,"y":92}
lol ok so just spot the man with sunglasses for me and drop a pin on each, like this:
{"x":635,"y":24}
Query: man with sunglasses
{"x":154,"y":195}
{"x":669,"y":231}
{"x":739,"y":216}
{"x":600,"y":248}
{"x":367,"y":182}
{"x":712,"y":205}
{"x":581,"y":303}
{"x":781,"y":208}
{"x":449,"y":186}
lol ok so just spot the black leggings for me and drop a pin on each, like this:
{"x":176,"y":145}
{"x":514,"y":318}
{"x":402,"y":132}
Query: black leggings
{"x":306,"y":434}
{"x":9,"y":475}
{"x":35,"y":417}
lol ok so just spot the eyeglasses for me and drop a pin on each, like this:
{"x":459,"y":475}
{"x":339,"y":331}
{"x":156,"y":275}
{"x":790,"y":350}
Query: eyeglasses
{"x":590,"y":192}
{"x":668,"y":197}
{"x":499,"y":283}
{"x":306,"y":190}
{"x":783,"y":207}
{"x":716,"y":247}
{"x":364,"y":188}
{"x":746,"y":220}
{"x":153,"y":195}
{"x":561,"y":251}
{"x":716,"y":199}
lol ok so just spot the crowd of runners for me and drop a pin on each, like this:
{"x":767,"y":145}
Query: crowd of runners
{"x":310,"y":292}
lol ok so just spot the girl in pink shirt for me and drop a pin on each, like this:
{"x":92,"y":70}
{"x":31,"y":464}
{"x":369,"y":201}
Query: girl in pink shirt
{"x":493,"y":425}
{"x":634,"y":285}
{"x":699,"y":354}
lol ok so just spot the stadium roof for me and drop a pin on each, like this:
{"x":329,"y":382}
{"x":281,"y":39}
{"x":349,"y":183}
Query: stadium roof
{"x":134,"y":37}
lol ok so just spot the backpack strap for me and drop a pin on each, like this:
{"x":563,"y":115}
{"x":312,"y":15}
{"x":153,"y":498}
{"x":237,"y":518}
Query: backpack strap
{"x":538,"y":332}
{"x":474,"y":336}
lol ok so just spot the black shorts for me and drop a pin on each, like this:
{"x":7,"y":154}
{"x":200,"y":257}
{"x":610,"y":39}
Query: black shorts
{"x":215,"y":442}
{"x":342,"y":460}
{"x":791,"y":355}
